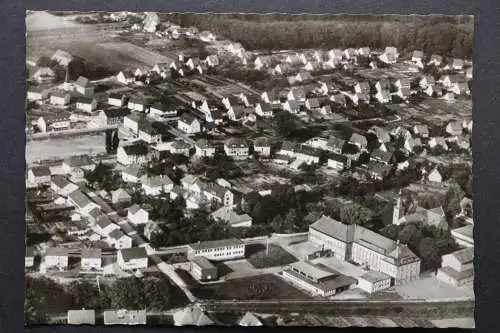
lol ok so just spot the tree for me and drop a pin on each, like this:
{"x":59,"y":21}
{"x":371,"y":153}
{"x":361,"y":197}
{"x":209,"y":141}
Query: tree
{"x":284,"y":123}
{"x":453,"y":197}
{"x":291,"y":219}
{"x":429,"y":254}
{"x":85,"y":295}
{"x":277,"y":223}
{"x":45,"y":61}
{"x":115,"y":142}
{"x":355,"y":214}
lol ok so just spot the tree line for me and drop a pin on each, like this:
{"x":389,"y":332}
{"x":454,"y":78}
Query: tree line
{"x":447,"y":36}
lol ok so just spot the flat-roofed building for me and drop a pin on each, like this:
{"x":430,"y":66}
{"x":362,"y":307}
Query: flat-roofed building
{"x":373,"y":281}
{"x":202,"y":269}
{"x":224,"y":249}
{"x":316,"y":280}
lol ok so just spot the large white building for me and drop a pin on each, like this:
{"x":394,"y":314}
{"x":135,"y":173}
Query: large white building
{"x":224,"y":249}
{"x":132,"y":258}
{"x":457,"y":268}
{"x":367,"y":248}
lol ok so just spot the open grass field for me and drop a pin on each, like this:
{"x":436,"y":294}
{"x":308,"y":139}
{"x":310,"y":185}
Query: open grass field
{"x":276,"y":256}
{"x":59,"y":147}
{"x":98,"y":44}
{"x":257,"y":287}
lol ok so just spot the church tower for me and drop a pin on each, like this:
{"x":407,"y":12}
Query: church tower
{"x":396,"y":212}
{"x":67,"y":84}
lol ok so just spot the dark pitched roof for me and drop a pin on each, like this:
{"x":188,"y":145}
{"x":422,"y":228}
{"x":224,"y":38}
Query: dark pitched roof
{"x":40,"y":171}
{"x":133,"y":253}
{"x":79,"y":161}
{"x":334,"y":228}
{"x":116,"y":112}
{"x":187,"y":118}
{"x":82,"y":82}
{"x":136,"y":149}
{"x":91,"y":253}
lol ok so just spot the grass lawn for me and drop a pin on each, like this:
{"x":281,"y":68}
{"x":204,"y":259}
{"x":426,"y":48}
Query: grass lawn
{"x":252,"y":288}
{"x":174,"y":258}
{"x":277,"y":256}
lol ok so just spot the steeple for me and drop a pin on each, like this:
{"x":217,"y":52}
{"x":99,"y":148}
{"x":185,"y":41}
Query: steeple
{"x":396,"y":212}
{"x":67,"y":84}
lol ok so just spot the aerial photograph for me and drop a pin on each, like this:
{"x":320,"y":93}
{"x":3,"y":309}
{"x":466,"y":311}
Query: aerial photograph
{"x":249,"y":169}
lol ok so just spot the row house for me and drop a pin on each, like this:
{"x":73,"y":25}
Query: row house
{"x":134,"y":153}
{"x":204,"y":148}
{"x":236,"y":148}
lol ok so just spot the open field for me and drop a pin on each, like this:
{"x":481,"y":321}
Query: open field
{"x":52,"y":148}
{"x":257,"y":287}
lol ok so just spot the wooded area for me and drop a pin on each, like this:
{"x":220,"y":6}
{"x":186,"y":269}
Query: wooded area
{"x":444,"y":35}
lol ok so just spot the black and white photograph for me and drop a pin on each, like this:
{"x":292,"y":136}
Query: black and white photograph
{"x":237,"y":169}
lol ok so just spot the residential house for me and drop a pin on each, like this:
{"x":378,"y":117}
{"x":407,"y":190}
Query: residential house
{"x":262,"y":146}
{"x":120,"y":196}
{"x":204,"y":148}
{"x":338,"y":162}
{"x":336,"y":55}
{"x":281,"y":69}
{"x":381,"y":156}
{"x":133,"y":153}
{"x":83,"y":162}
{"x":382,"y":84}
{"x":207,"y":36}
{"x":161,"y":109}
{"x":383,"y":96}
{"x":427,"y":81}
{"x":36,"y":94}
{"x":402,"y":83}
{"x":119,"y":240}
{"x":113,"y":116}
{"x":236,"y":148}
{"x":132,"y":122}
{"x":54,"y":122}
{"x":57,"y":257}
{"x":137,"y":215}
{"x":180,"y":147}
{"x":364,"y":51}
{"x":312,"y":103}
{"x":61,"y":185}
{"x":29,"y":257}
{"x":236,"y":113}
{"x":193,"y":62}
{"x":264,"y":109}
{"x":335,"y":145}
{"x":218,"y":194}
{"x":44,"y":75}
{"x":450,"y":80}
{"x":418,"y":58}
{"x":149,"y":134}
{"x":357,"y":98}
{"x":189,"y":124}
{"x":104,"y":226}
{"x":449,"y":97}
{"x":271,"y":97}
{"x":212,"y":60}
{"x":362,"y":87}
{"x":81,"y":202}
{"x":359,"y":141}
{"x":339,"y":99}
{"x":86,"y":104}
{"x":83,"y":86}
{"x":457,"y":64}
{"x":60,"y":97}
{"x":411,"y":143}
{"x":157,"y":185}
{"x":421,"y":130}
{"x":297,"y":94}
{"x":435,"y":176}
{"x":291,"y":106}
{"x":137,"y":104}
{"x":126,"y":76}
{"x":192,"y":316}
{"x":350,"y":54}
{"x":152,"y":229}
{"x":307,"y":154}
{"x":435,"y":60}
{"x":262,"y":62}
{"x":91,"y":259}
{"x":39,"y":175}
{"x":228,"y":215}
{"x":134,"y":258}
{"x":390,"y":55}
{"x":438,"y":141}
{"x":464,"y":235}
{"x":134,"y":173}
{"x":461,"y":88}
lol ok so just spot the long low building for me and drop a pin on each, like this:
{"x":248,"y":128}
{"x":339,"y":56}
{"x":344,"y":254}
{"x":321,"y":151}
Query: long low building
{"x":224,"y":249}
{"x":457,"y":267}
{"x":316,"y":280}
{"x":464,"y":236}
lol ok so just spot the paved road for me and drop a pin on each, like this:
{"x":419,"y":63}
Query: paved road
{"x":410,"y":309}
{"x":169,"y":271}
